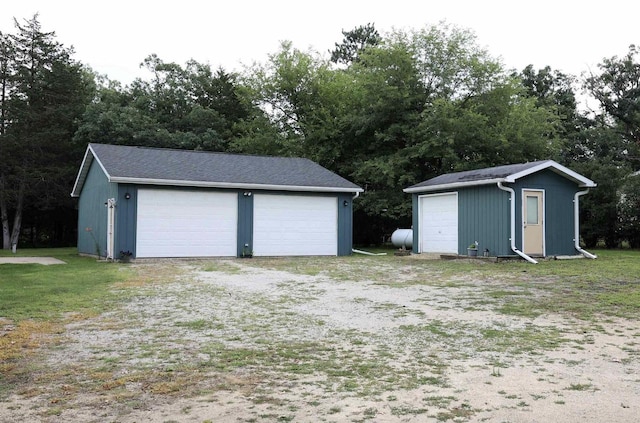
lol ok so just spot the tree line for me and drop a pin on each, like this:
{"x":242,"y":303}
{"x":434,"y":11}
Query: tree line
{"x":383,"y":110}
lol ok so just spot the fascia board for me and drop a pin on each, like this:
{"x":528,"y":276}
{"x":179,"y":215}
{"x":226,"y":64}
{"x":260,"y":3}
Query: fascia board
{"x":233,"y":185}
{"x":452,"y":185}
{"x":82,"y":174}
{"x":89,"y":157}
{"x":556,"y":167}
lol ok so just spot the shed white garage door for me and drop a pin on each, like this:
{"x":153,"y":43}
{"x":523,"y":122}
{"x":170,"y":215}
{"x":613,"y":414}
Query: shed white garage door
{"x":439,"y":223}
{"x":175,"y":223}
{"x":290,"y":225}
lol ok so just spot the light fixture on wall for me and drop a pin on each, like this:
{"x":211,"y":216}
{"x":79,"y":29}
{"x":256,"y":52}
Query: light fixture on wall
{"x":345,"y":203}
{"x":127,"y":196}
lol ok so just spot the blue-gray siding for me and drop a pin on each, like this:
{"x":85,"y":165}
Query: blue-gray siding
{"x":126,"y":212}
{"x":92,"y":216}
{"x":245,"y":223}
{"x":484,"y":215}
{"x":345,"y":224}
{"x":92,"y":212}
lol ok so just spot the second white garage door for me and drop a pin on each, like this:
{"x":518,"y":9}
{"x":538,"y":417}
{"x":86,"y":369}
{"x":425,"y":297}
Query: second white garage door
{"x":291,"y":225}
{"x":176,"y":223}
{"x":438,"y":223}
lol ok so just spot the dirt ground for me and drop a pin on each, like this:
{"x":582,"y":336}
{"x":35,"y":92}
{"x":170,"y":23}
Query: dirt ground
{"x":233,"y":341}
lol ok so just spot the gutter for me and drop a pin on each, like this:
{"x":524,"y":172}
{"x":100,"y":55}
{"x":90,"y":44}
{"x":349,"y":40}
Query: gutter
{"x":576,"y":225}
{"x":453,"y":185}
{"x":234,"y":185}
{"x":512,"y":236}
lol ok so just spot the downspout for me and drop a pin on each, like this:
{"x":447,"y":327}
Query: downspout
{"x":356,"y":196}
{"x":576,"y":224}
{"x":512,"y":235}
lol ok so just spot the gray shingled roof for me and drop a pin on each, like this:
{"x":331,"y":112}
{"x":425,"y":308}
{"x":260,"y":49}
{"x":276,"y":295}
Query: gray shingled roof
{"x":200,"y":168}
{"x":506,"y":173}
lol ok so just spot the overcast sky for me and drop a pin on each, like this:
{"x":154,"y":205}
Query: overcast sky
{"x":113,"y":37}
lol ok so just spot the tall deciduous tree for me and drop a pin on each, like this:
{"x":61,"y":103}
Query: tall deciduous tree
{"x":617,"y":88}
{"x":608,"y":151}
{"x":412,"y":105}
{"x":190,"y":107}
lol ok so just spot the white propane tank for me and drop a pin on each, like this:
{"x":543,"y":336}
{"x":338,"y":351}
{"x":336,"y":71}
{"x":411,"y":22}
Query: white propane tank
{"x":402,"y":238}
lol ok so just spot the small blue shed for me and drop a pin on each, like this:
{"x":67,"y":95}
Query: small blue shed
{"x":528,"y":209}
{"x":153,"y":202}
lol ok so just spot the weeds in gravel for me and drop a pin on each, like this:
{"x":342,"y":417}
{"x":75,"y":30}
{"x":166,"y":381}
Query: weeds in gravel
{"x":176,"y":336}
{"x":581,"y":288}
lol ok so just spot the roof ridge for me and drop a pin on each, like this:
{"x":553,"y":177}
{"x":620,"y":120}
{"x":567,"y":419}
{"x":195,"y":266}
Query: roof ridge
{"x":184,"y":150}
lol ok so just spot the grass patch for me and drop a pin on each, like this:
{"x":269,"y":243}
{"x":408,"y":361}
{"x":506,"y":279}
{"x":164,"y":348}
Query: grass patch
{"x":34,"y":291}
{"x":37,"y":300}
{"x":580,"y":387}
{"x":580,"y":288}
{"x":199,"y":324}
{"x":584,"y":289}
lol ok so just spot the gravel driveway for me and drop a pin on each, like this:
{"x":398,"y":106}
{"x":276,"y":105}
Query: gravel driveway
{"x":365,"y":340}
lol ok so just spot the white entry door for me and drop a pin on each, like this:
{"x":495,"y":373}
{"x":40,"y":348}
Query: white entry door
{"x":182,"y":223}
{"x":438,"y":223}
{"x":295,"y":225}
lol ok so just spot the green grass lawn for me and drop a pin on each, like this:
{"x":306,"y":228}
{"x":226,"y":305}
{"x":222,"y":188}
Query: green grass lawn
{"x":34,"y":291}
{"x":36,"y":300}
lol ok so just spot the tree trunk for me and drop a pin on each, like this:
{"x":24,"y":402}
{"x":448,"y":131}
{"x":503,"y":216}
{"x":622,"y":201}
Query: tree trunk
{"x":4,"y":217}
{"x":17,"y":217}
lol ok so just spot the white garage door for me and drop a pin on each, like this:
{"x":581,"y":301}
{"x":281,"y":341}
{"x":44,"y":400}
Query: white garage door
{"x":174,"y":223}
{"x":439,"y":223}
{"x":290,"y":225}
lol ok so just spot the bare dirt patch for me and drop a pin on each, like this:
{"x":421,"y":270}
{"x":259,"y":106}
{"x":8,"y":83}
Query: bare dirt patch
{"x":249,"y":341}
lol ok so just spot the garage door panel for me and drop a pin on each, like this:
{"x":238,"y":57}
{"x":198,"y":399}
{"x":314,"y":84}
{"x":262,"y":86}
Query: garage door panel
{"x":173,"y":223}
{"x":295,"y":225}
{"x":439,"y":223}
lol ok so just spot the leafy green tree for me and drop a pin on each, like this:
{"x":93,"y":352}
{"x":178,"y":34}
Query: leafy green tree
{"x":617,"y":88}
{"x":556,"y":91}
{"x":608,"y":151}
{"x":628,"y":209}
{"x":410,"y":106}
{"x":188,"y":107}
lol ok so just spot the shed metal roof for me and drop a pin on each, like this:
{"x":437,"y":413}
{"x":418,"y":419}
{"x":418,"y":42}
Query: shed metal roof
{"x":506,"y":174}
{"x":161,"y":166}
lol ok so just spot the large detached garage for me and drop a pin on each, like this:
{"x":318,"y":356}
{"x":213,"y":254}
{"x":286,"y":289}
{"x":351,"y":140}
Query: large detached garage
{"x":149,"y":202}
{"x":529,"y":210}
